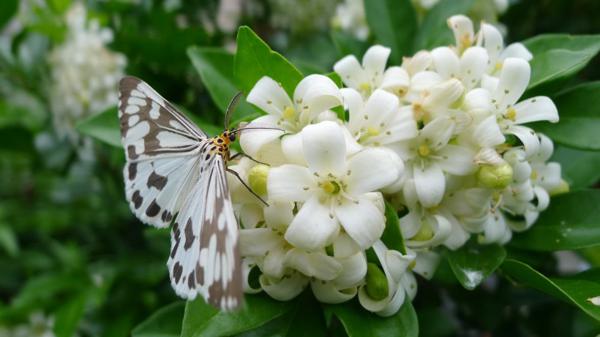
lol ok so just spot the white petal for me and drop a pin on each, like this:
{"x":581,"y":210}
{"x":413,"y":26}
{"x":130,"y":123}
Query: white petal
{"x":328,"y":292}
{"x":478,"y":102}
{"x":344,"y":246}
{"x":492,"y":41}
{"x":417,"y":63}
{"x":247,"y":265}
{"x":398,"y":263}
{"x":353,"y":102}
{"x":272,"y":263}
{"x":380,"y":107}
{"x":462,"y":27}
{"x":313,"y":227}
{"x":258,"y":241}
{"x":269,"y":96}
{"x":446,"y":62}
{"x":424,"y":80}
{"x":473,"y":64}
{"x":283,"y":289}
{"x":252,"y":141}
{"x":531,"y":142}
{"x":517,"y":50}
{"x":354,"y":269}
{"x":427,"y":262}
{"x":279,"y":215}
{"x":351,"y":72}
{"x":324,"y":148}
{"x":458,"y":236}
{"x":395,"y":80}
{"x":291,"y":146}
{"x":409,"y":283}
{"x":250,"y":215}
{"x":488,"y":133}
{"x":441,"y":228}
{"x":317,"y":265}
{"x":374,"y":62}
{"x":442,"y":95}
{"x":543,"y":198}
{"x":437,"y":133}
{"x":290,"y":183}
{"x":365,"y":177}
{"x":456,"y":159}
{"x":536,"y":109}
{"x":549,"y":176}
{"x":363,"y":222}
{"x":514,"y":79}
{"x":430,"y":184}
{"x":315,"y":94}
{"x":395,"y":303}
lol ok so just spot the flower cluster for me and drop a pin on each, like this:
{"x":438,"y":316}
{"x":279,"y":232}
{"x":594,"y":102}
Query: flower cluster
{"x":84,"y":72}
{"x":440,"y":140}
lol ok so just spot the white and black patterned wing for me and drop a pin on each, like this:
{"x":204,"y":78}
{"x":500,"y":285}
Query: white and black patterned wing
{"x":204,"y":255}
{"x":161,"y":147}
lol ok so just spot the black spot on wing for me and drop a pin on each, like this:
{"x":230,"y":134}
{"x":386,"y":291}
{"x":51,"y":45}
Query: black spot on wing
{"x":153,"y":209}
{"x":189,"y":235}
{"x":157,"y":181}
{"x":166,"y":216}
{"x":132,"y":169}
{"x":137,"y":199}
{"x":177,"y":238}
{"x":191,"y":281}
{"x":177,"y":270}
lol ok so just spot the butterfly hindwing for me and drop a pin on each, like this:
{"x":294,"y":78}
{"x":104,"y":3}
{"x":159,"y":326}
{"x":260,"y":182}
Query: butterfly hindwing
{"x":204,"y":254}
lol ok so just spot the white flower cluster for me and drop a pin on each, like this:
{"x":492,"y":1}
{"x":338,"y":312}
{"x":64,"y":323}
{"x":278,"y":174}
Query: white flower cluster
{"x":440,"y":139}
{"x":38,"y":326}
{"x":85,"y":72}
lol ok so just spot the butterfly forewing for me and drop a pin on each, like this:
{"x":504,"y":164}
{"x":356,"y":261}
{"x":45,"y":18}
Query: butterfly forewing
{"x":171,"y":173}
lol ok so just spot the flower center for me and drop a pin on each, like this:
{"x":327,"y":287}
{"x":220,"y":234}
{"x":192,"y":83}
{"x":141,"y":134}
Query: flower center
{"x":511,"y":114}
{"x":330,"y":187}
{"x":424,"y":150}
{"x":289,"y":113}
{"x":365,"y":87}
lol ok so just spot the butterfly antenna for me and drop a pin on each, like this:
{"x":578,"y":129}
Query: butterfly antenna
{"x":231,"y":107}
{"x":255,"y":128}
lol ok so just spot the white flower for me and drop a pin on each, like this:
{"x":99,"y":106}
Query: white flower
{"x":469,"y":68}
{"x":333,"y":189}
{"x":314,"y":95}
{"x":491,"y":39}
{"x":350,"y":17}
{"x":429,"y":155}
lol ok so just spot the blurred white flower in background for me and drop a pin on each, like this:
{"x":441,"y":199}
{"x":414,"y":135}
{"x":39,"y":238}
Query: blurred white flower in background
{"x":39,"y":325}
{"x":440,"y":140}
{"x":301,"y":16}
{"x":85,"y":73}
{"x":350,"y":17}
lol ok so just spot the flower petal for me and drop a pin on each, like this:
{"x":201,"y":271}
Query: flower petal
{"x":457,"y":160}
{"x":430,"y":184}
{"x":478,"y":102}
{"x":269,"y":96}
{"x":252,"y":141}
{"x":279,"y":215}
{"x":395,"y":80}
{"x":350,"y":71}
{"x":427,"y":263}
{"x":491,"y":39}
{"x":514,"y":79}
{"x":417,"y":63}
{"x":258,"y":241}
{"x":462,"y":27}
{"x":363,"y":222}
{"x":437,"y":133}
{"x":328,"y":292}
{"x":531,"y":142}
{"x":446,"y":62}
{"x":324,"y":148}
{"x":363,"y":176}
{"x":290,"y":183}
{"x":315,"y":94}
{"x":380,"y":107}
{"x":353,"y":102}
{"x":374,"y":61}
{"x":473,"y":64}
{"x":488,"y":133}
{"x":283,"y":289}
{"x":291,"y":146}
{"x":536,"y":109}
{"x":317,"y":265}
{"x":313,"y":227}
{"x":516,"y":50}
{"x":354,"y":269}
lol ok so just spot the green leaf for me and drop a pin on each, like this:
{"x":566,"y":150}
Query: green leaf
{"x":201,"y":319}
{"x":8,"y":240}
{"x":103,"y":126}
{"x":579,"y":118}
{"x":578,"y":167}
{"x":571,"y":222}
{"x":392,"y":236}
{"x":433,"y":31}
{"x":347,"y":44}
{"x":473,"y":263}
{"x":255,"y":59}
{"x":8,"y":8}
{"x":559,"y":56}
{"x":358,"y":322}
{"x":394,"y":24}
{"x":68,"y":316}
{"x":573,"y":290}
{"x":215,"y":67}
{"x":305,"y":319}
{"x":166,"y":322}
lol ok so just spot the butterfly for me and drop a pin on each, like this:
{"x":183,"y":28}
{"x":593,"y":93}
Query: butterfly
{"x":175,"y":171}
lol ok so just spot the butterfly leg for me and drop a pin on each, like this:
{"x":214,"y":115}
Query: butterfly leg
{"x":241,"y":154}
{"x":246,"y":185}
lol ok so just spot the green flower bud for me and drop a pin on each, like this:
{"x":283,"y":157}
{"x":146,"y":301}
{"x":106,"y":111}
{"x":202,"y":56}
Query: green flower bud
{"x":425,"y":233}
{"x":495,"y":176}
{"x":377,"y":285}
{"x":257,"y":179}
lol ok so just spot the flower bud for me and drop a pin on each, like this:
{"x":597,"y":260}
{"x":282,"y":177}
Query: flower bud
{"x":257,"y":179}
{"x":377,"y":285}
{"x":425,"y":233}
{"x":495,"y":176}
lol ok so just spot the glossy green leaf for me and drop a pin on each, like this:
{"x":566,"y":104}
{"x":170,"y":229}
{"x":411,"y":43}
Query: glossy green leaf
{"x":347,"y":44}
{"x":215,"y":67}
{"x":578,"y":167}
{"x":392,"y":236}
{"x":201,"y":319}
{"x":557,"y":56}
{"x":255,"y":59}
{"x":8,"y":8}
{"x":577,"y":291}
{"x":68,"y":316}
{"x":473,"y":263}
{"x":572,"y":221}
{"x":394,"y":24}
{"x":166,"y":322}
{"x":433,"y":31}
{"x":579,"y":118}
{"x":358,"y":322}
{"x":103,"y":126}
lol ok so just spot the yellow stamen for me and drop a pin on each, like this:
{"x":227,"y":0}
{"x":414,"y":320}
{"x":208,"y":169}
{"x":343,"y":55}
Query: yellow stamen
{"x":424,"y":150}
{"x":511,"y":114}
{"x":365,"y":87}
{"x":372,"y":131}
{"x":498,"y":66}
{"x":289,"y":113}
{"x":534,"y":174}
{"x":330,"y":187}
